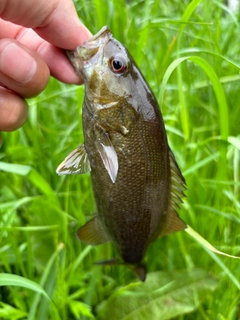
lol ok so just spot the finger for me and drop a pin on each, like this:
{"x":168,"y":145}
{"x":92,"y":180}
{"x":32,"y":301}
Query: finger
{"x":55,"y":58}
{"x":13,"y":110}
{"x":21,"y":69}
{"x":56,"y":21}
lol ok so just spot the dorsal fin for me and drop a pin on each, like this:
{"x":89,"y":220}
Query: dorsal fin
{"x":174,"y":224}
{"x":178,"y":185}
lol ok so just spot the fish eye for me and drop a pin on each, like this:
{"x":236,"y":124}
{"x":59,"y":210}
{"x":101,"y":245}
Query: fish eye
{"x":118,"y":64}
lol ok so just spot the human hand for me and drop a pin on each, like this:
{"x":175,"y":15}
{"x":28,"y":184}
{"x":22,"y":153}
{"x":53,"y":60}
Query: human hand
{"x":31,"y":35}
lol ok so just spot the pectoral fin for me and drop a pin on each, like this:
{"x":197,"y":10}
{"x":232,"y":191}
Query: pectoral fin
{"x":76,"y":162}
{"x":93,"y":232}
{"x":109,"y":157}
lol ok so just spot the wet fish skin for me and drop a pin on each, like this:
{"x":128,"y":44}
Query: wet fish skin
{"x":136,"y":181}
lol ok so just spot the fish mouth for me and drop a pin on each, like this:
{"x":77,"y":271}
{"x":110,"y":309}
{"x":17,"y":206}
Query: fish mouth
{"x":90,"y":47}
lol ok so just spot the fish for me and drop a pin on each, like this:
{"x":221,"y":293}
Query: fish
{"x":136,"y":181}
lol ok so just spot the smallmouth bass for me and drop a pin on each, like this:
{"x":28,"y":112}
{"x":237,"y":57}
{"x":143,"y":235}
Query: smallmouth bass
{"x":136,"y":181}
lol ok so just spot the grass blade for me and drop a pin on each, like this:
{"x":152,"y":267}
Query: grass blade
{"x":220,"y":96}
{"x":205,"y":243}
{"x":15,"y":280}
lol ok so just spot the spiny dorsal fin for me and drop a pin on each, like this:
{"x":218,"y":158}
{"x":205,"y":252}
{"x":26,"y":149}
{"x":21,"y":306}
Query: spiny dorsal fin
{"x":177,"y":187}
{"x":93,"y":232}
{"x":76,"y":162}
{"x":178,"y":184}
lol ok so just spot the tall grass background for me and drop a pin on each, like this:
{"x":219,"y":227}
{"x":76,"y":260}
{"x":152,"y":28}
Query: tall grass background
{"x":190,"y":55}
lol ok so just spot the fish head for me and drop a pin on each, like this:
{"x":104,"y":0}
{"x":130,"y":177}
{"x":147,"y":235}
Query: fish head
{"x":105,"y":66}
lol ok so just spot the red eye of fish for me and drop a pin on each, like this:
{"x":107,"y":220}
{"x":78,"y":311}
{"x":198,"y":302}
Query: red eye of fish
{"x":118,"y":65}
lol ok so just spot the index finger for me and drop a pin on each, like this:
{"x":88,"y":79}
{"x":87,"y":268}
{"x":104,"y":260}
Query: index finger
{"x":56,"y":21}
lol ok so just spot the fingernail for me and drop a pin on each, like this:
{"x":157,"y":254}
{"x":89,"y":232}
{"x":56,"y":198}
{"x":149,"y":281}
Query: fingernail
{"x":17,"y":63}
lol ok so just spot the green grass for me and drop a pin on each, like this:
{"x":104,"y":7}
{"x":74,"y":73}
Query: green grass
{"x":189,"y":54}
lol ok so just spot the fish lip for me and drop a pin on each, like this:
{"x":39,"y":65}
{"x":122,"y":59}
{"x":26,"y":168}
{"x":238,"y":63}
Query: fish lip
{"x":72,"y":55}
{"x":92,"y":46}
{"x":80,"y":58}
{"x":105,"y":31}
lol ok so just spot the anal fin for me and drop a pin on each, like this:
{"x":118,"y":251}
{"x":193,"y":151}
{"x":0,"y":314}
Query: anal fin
{"x":93,"y":232}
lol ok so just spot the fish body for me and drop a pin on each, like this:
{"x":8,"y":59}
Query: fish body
{"x":136,"y":181}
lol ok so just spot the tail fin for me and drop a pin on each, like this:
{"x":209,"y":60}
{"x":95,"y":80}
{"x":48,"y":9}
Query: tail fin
{"x":139,"y":269}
